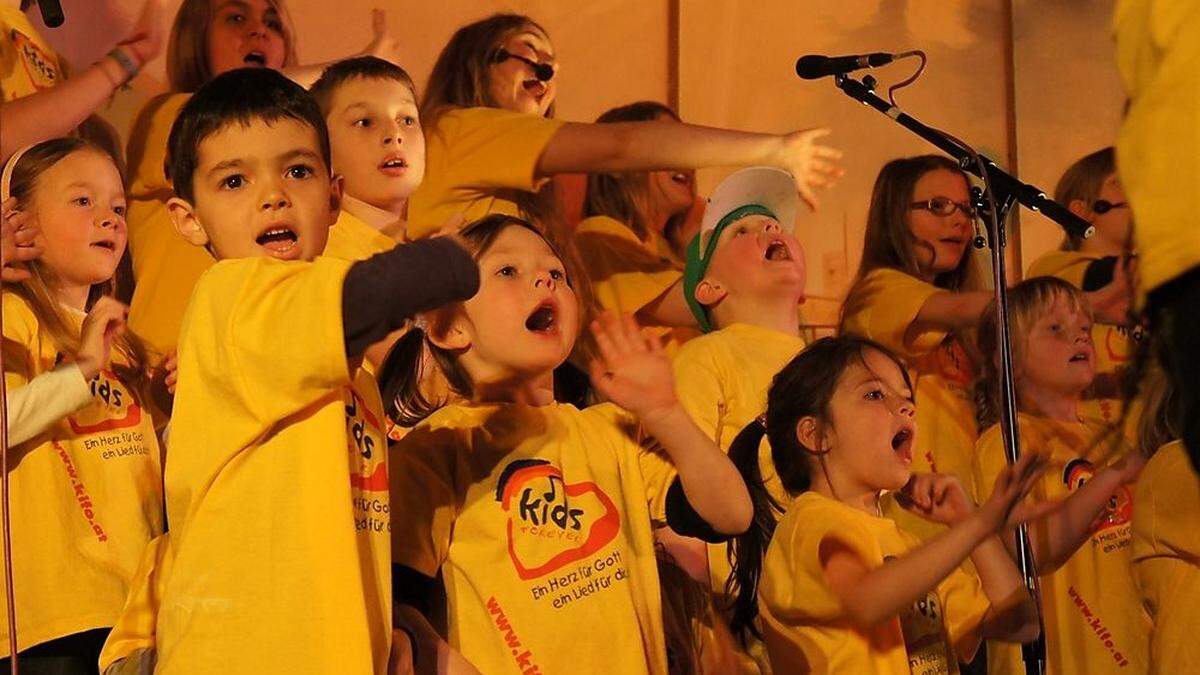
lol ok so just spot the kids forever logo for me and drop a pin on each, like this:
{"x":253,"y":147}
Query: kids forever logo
{"x":552,"y":523}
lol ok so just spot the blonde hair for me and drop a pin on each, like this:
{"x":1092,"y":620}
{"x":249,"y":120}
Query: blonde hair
{"x":1082,"y":181}
{"x":1027,"y":302}
{"x":36,"y":291}
{"x":187,"y":50}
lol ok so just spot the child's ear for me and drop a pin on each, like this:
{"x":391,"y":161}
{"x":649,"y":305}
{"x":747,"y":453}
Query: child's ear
{"x":811,"y":434}
{"x":183,"y":215}
{"x":336,"y":185}
{"x":709,"y":292}
{"x":445,"y":331}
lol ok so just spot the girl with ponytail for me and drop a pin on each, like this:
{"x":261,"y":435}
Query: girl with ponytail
{"x":840,"y":588}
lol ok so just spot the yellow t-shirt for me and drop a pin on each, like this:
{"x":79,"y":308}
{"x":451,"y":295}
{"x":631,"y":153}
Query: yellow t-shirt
{"x":351,"y":238}
{"x":881,"y":308}
{"x":165,"y":266}
{"x":86,"y":497}
{"x":539,"y":519}
{"x":627,"y":274}
{"x":1093,"y":616}
{"x":476,"y":160}
{"x":722,"y":379}
{"x":1158,"y":148}
{"x":27,"y":62}
{"x":1166,"y":556}
{"x":132,"y":636}
{"x":805,"y":627}
{"x":277,"y":484}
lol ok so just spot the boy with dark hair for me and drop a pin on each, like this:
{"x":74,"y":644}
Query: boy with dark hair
{"x":277,"y":484}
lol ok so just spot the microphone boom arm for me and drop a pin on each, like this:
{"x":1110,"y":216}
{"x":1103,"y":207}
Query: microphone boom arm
{"x":1025,"y":194}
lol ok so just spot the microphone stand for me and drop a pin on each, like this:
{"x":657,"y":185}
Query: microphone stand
{"x":1001,"y":192}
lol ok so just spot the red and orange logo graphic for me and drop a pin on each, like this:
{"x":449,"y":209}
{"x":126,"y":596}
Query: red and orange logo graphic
{"x":552,"y":523}
{"x":1119,"y":509}
{"x":112,"y":407}
{"x":368,"y":449}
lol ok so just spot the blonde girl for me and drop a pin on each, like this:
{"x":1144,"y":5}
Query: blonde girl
{"x":86,"y":468}
{"x":1082,"y":549}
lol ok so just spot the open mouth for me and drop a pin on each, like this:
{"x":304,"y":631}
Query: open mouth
{"x":681,"y":178}
{"x":106,"y":245}
{"x":777,"y":251}
{"x":278,"y":239}
{"x":536,"y":88}
{"x":544,"y":319}
{"x":255,"y":58}
{"x":1080,"y":357}
{"x":394,"y":164}
{"x":902,"y":444}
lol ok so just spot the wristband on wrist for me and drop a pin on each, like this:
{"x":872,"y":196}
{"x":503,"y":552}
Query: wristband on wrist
{"x":131,"y":69}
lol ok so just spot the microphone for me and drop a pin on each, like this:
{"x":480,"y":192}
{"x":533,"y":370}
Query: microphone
{"x":816,"y":66}
{"x":52,"y":14}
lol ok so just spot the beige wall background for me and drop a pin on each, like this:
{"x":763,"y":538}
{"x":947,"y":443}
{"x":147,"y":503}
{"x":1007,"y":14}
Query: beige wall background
{"x":1032,"y":83}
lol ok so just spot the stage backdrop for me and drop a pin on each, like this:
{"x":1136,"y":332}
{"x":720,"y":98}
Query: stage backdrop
{"x":1030,"y":82}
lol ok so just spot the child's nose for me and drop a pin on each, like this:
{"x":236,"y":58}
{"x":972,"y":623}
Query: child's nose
{"x":256,"y":27}
{"x":544,"y":280}
{"x":391,"y":134}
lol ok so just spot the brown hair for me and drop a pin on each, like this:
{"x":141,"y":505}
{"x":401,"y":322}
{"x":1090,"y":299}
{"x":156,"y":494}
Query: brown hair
{"x":625,"y":196}
{"x":460,"y":77}
{"x":1027,"y":302}
{"x":803,"y":388}
{"x":1161,"y":418}
{"x":36,"y":290}
{"x":401,"y":376}
{"x":1082,"y":180}
{"x":357,"y":68}
{"x":187,"y":49}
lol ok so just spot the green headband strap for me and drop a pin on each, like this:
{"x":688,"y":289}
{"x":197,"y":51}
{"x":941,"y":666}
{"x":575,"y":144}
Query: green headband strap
{"x":697,"y":263}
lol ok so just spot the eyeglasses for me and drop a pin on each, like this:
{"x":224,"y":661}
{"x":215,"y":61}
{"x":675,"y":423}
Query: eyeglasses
{"x":543,"y":71}
{"x":943,"y":206}
{"x":1104,"y":206}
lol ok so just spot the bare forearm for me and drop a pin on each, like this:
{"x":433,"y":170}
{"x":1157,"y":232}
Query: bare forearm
{"x":56,"y":112}
{"x":646,"y":146}
{"x":1012,"y":615}
{"x":885,"y":591}
{"x":1060,"y":534}
{"x":668,"y":309}
{"x":952,"y":311}
{"x":713,"y":486}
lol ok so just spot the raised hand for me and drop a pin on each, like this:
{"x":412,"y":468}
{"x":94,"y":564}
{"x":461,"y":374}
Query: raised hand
{"x":145,"y":39}
{"x":1003,"y":508}
{"x":383,"y":44}
{"x":632,"y":371}
{"x":17,"y":242}
{"x":101,"y":326}
{"x":812,"y":165}
{"x":936,"y":497}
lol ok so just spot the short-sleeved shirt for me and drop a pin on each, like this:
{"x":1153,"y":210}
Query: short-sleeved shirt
{"x":722,"y":379}
{"x":1166,"y":556}
{"x":882,"y":307}
{"x":539,"y":520}
{"x":1093,"y":616}
{"x":277,"y":484}
{"x":86,"y":495}
{"x":805,"y":626}
{"x":476,"y":162}
{"x":27,"y":62}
